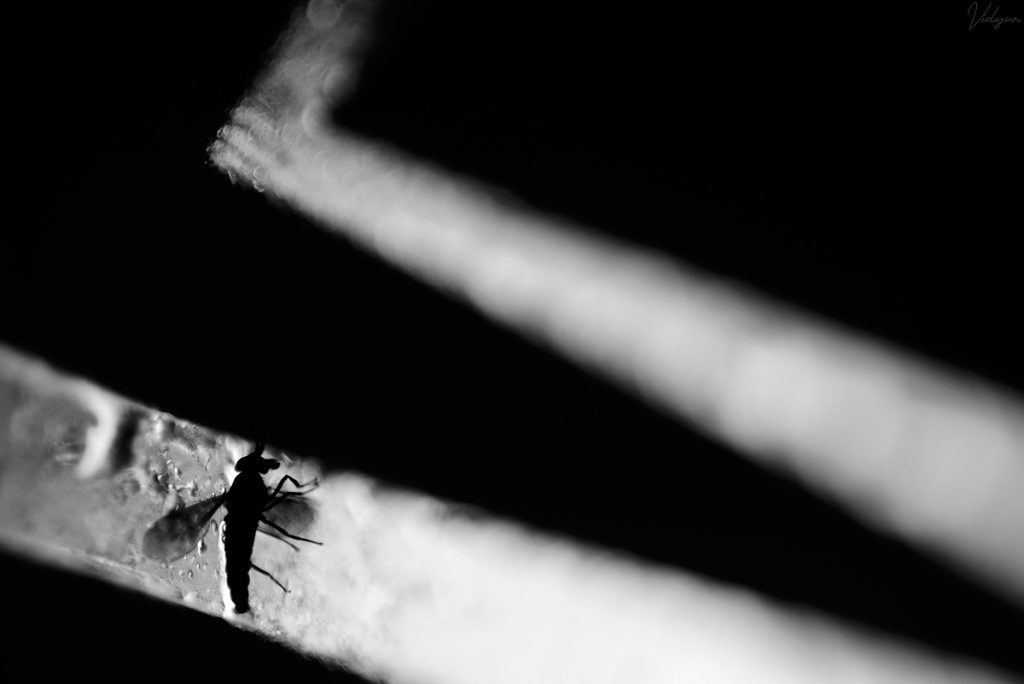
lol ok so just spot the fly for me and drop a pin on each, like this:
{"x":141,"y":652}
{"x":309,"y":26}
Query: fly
{"x":248,"y":502}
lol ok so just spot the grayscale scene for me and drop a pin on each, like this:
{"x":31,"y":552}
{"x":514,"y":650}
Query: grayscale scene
{"x":459,"y":342}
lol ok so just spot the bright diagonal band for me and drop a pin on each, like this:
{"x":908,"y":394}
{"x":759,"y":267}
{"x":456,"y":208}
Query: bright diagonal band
{"x":406,"y":588}
{"x":932,"y":455}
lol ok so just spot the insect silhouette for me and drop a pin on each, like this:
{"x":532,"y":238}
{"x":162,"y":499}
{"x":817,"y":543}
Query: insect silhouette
{"x":248,"y":502}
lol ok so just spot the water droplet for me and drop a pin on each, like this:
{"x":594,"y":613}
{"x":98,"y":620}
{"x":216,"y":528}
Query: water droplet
{"x":181,"y":573}
{"x":190,"y":574}
{"x":214,"y":525}
{"x":202,"y":545}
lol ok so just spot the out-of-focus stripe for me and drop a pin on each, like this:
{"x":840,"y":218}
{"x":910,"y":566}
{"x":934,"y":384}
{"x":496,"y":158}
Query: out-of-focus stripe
{"x":924,"y":451}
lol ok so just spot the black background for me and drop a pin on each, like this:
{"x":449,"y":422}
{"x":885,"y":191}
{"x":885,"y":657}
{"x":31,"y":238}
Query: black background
{"x":861,"y":164}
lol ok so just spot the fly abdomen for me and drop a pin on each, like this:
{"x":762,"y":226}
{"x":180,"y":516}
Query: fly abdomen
{"x":239,"y":536}
{"x":174,"y":535}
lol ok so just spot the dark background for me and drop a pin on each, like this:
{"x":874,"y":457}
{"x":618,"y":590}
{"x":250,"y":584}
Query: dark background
{"x":863,"y":165}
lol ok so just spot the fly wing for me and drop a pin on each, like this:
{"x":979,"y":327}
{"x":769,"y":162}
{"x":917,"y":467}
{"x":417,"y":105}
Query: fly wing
{"x":294,"y":514}
{"x":178,"y":532}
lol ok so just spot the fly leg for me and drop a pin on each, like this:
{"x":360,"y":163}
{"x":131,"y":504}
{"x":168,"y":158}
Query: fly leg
{"x":275,"y":535}
{"x":315,"y":482}
{"x":279,"y":498}
{"x":287,"y":533}
{"x":274,"y":579}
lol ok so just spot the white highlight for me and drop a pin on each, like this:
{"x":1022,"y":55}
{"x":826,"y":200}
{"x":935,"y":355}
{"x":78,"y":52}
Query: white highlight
{"x":411,"y":591}
{"x":105,"y":406}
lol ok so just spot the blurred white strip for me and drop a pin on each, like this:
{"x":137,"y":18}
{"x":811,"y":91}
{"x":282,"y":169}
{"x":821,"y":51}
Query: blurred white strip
{"x":414,"y":592}
{"x":926,"y":452}
{"x":407,"y":588}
